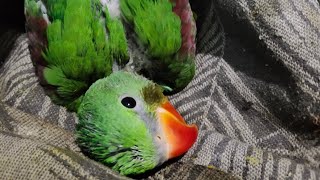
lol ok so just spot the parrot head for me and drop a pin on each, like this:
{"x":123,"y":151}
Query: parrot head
{"x":126,"y":122}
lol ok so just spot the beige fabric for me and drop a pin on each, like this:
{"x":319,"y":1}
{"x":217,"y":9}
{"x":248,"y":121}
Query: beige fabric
{"x":34,"y":149}
{"x":256,"y":105}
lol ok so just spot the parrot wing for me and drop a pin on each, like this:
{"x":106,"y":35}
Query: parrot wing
{"x":165,"y":33}
{"x":72,"y":44}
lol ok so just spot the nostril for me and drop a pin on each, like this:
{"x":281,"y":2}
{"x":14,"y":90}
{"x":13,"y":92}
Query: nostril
{"x":159,"y":137}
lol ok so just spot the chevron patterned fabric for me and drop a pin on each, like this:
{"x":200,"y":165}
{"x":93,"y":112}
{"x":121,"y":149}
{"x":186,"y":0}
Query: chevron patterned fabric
{"x":255,"y":99}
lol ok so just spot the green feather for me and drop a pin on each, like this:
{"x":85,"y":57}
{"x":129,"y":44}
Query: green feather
{"x":117,"y":39}
{"x":56,"y":8}
{"x":68,"y":90}
{"x":158,"y":28}
{"x":112,"y":133}
{"x":183,"y":72}
{"x":78,"y":46}
{"x":32,"y":8}
{"x":159,"y":32}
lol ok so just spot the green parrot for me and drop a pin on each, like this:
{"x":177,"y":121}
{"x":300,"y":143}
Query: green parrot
{"x":110,"y":61}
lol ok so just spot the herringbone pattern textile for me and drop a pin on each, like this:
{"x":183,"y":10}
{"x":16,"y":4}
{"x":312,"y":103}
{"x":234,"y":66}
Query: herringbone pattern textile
{"x":258,"y":118}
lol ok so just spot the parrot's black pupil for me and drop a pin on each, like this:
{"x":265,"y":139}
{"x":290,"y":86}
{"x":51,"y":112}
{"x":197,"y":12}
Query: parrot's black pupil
{"x":128,"y":102}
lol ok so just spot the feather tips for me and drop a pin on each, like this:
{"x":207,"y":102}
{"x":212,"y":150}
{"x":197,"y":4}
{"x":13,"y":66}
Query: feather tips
{"x":83,"y":40}
{"x":158,"y":32}
{"x":75,"y":47}
{"x":167,"y":30}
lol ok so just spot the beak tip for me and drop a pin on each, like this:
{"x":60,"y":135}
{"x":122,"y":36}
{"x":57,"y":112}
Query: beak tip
{"x":180,"y":136}
{"x":186,"y":141}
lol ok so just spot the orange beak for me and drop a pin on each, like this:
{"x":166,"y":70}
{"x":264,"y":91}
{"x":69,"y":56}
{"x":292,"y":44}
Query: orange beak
{"x":178,"y":135}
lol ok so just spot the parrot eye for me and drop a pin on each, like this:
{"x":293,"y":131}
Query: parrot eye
{"x":128,"y":102}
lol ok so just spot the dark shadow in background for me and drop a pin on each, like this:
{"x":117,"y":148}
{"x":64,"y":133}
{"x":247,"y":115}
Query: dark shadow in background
{"x":11,"y":25}
{"x":266,"y":75}
{"x":12,"y":15}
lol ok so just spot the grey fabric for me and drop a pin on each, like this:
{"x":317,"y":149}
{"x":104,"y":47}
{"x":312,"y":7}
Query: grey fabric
{"x":255,"y":99}
{"x":34,"y":149}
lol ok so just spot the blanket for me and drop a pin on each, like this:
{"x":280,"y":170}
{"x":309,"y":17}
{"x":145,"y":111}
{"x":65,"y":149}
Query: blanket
{"x":255,"y":98}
